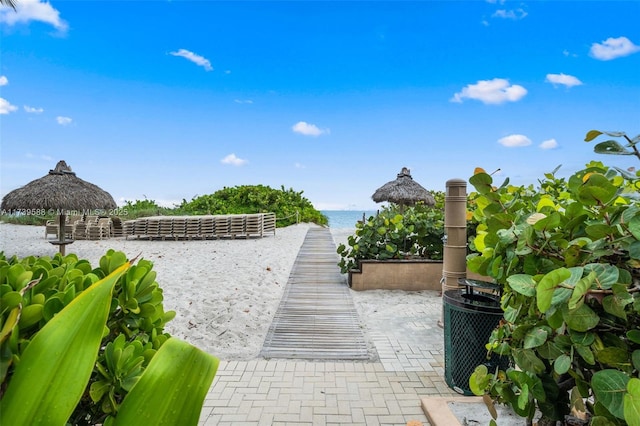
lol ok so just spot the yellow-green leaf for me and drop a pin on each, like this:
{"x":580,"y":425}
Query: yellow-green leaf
{"x":632,"y":402}
{"x":591,"y":135}
{"x":172,"y":388}
{"x":547,"y":286}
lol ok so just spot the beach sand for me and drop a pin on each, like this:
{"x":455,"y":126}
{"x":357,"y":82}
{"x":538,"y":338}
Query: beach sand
{"x":225,"y":292}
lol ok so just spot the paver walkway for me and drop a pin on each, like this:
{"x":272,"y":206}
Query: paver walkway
{"x":387,"y":391}
{"x":316,"y":318}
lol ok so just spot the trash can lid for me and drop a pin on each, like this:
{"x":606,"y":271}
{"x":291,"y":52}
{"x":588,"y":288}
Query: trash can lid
{"x":480,"y":302}
{"x":478,"y":283}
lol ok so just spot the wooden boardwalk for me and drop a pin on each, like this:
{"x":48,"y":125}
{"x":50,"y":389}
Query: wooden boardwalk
{"x":316,"y":318}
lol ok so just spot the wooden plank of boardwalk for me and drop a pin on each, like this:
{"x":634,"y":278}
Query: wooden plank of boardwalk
{"x":316,"y":318}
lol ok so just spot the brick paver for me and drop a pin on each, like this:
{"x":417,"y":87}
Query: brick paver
{"x":388,"y":391}
{"x":297,"y":392}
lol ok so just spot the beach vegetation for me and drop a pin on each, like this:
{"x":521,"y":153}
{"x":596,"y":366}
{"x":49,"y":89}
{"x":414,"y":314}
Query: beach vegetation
{"x":396,"y":232}
{"x":290,"y":206}
{"x":146,"y":208}
{"x":566,"y":254}
{"x":85,"y":345}
{"x":26,"y":219}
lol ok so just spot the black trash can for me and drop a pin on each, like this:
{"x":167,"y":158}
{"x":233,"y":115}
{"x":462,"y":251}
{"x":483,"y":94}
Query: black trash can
{"x":470,"y":315}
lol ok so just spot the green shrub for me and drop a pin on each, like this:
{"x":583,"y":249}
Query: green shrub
{"x":36,"y":291}
{"x":395,"y":233}
{"x":567,"y":255}
{"x":145,"y":208}
{"x":289,"y":206}
{"x":18,"y":219}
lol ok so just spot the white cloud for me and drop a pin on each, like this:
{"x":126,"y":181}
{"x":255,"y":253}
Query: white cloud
{"x":63,"y":121}
{"x":233,"y":160}
{"x":512,"y":141}
{"x":307,"y":129}
{"x":33,"y":110}
{"x":193,"y":57}
{"x":6,"y":107}
{"x":549,"y":144}
{"x":40,"y":157}
{"x":613,"y":48}
{"x":514,"y":14}
{"x":3,"y":80}
{"x":494,"y":91}
{"x":299,"y":166}
{"x":243,"y":101}
{"x":33,"y":10}
{"x":564,"y":79}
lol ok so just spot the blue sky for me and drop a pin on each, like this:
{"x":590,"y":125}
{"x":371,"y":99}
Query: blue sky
{"x":168,"y":100}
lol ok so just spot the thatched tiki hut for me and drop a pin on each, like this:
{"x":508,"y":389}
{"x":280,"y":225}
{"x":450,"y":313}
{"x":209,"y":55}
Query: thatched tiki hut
{"x":403,"y":191}
{"x":60,"y":191}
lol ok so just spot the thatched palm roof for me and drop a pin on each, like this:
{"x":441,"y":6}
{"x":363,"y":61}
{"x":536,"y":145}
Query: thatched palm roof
{"x":60,"y":189}
{"x":403,"y":190}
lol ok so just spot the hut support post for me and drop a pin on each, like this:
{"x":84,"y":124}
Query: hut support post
{"x":61,"y":233}
{"x":454,"y":264}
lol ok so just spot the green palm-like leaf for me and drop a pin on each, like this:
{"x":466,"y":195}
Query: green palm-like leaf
{"x":56,"y":365}
{"x":172,"y":388}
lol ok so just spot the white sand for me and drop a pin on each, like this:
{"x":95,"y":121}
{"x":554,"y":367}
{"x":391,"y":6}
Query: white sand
{"x":225,"y":292}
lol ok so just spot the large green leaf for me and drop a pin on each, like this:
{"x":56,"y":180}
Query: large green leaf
{"x":479,"y":380}
{"x":634,"y":227}
{"x":582,"y":318}
{"x":535,"y":337}
{"x":547,"y":286}
{"x":523,"y":284}
{"x":56,"y":366}
{"x":172,"y":388}
{"x":634,"y":250}
{"x":586,"y":354}
{"x":614,"y":305}
{"x":632,"y":403}
{"x":611,"y":147}
{"x":615,"y":357}
{"x":528,"y":361}
{"x":597,"y":190}
{"x":610,"y":387}
{"x":599,"y":230}
{"x":482,"y":182}
{"x":606,"y":275}
{"x":580,"y":289}
{"x":562,"y":363}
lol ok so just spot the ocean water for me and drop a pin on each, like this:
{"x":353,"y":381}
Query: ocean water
{"x":346,"y":218}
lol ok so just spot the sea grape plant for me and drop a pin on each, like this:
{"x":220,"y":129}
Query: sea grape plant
{"x":413,"y":232}
{"x":290,"y":206}
{"x":567,"y":255}
{"x":36,"y":293}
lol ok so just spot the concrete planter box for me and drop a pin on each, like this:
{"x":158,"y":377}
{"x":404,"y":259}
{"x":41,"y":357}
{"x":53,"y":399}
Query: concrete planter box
{"x":399,"y":274}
